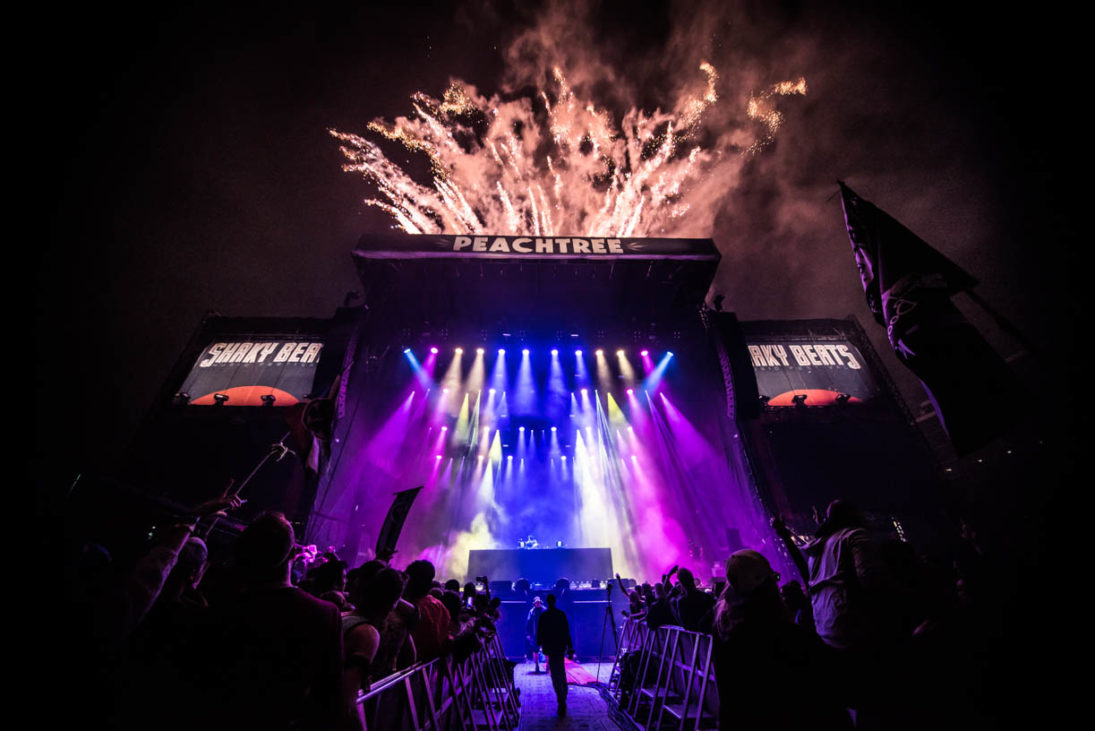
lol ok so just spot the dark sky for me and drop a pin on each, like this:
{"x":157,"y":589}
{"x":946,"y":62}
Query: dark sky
{"x":188,"y":167}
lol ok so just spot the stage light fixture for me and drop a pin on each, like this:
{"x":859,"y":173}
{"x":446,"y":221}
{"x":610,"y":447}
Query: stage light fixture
{"x":459,"y":351}
{"x":491,"y":392}
{"x":433,"y":350}
{"x":630,"y":392}
{"x":524,"y":351}
{"x":645,"y":353}
{"x":220,"y":398}
{"x":669,"y":354}
{"x":620,"y":353}
{"x":479,"y":351}
{"x":554,"y":351}
{"x":501,"y":351}
{"x":553,"y":428}
{"x":600,"y":352}
{"x":407,"y":351}
{"x":578,"y":353}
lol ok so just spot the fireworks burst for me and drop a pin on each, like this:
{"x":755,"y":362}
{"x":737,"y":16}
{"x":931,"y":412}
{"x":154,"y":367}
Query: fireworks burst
{"x":554,"y":164}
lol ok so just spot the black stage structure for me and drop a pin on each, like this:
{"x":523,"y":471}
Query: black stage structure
{"x":572,"y":388}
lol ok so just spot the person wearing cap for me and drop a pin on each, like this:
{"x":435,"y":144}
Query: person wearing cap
{"x":770,"y":672}
{"x":532,"y":621}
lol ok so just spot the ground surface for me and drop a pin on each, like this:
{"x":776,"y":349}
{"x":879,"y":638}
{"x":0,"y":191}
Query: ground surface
{"x":586,"y":710}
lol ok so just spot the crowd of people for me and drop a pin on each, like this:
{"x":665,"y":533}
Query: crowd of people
{"x":870,"y":635}
{"x":273,"y":639}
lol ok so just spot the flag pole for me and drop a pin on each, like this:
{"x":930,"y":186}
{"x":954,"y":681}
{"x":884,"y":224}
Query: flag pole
{"x":277,"y":452}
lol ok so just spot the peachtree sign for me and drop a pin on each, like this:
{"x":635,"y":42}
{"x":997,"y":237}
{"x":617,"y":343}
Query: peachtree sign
{"x":533,"y":247}
{"x":546,"y":245}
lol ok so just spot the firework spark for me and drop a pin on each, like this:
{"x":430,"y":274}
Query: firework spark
{"x":552,"y":163}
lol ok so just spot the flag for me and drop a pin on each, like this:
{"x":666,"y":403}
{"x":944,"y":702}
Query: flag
{"x":909,"y":286}
{"x":393,"y":521}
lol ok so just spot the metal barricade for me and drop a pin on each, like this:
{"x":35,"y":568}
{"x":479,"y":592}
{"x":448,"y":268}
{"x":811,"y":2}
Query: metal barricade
{"x":494,"y":702}
{"x":445,"y":694}
{"x":651,"y":653}
{"x":632,"y":640}
{"x":687,"y":682}
{"x":670,"y":682}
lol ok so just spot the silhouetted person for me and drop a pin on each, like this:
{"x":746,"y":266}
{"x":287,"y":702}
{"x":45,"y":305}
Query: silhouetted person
{"x":658,"y":612}
{"x":851,"y":592}
{"x":846,"y":575}
{"x":431,"y":635}
{"x":553,"y":635}
{"x":798,"y":604}
{"x":771,"y":673}
{"x":162,"y":668}
{"x":278,"y":663}
{"x":374,"y":597}
{"x":690,"y":607}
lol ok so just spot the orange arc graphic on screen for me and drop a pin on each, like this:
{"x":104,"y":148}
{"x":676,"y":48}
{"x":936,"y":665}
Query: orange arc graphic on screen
{"x":248,"y":396}
{"x":814,"y":397}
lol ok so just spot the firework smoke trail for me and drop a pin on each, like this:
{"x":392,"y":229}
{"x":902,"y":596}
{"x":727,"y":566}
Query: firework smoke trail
{"x":554,"y":164}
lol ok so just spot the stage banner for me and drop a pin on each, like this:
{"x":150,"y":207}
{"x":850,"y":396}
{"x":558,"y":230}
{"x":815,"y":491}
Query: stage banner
{"x":407,"y":246}
{"x":393,"y":521}
{"x":247,"y":367}
{"x":824,"y":371}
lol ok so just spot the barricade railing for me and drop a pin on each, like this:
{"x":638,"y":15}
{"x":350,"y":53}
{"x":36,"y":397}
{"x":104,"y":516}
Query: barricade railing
{"x":668,"y":680}
{"x":632,"y":639}
{"x":489,"y":685}
{"x":474,"y":693}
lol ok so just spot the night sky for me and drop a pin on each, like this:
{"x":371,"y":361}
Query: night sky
{"x":188,"y":166}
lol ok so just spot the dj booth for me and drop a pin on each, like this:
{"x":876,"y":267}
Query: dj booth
{"x":542,"y":566}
